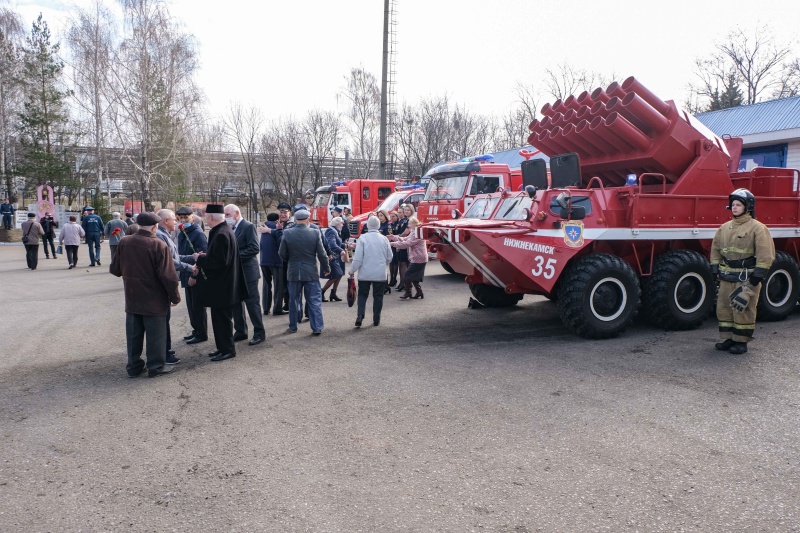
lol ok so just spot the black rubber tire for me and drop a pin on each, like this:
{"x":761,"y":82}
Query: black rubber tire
{"x":680,"y":292}
{"x":491,"y":296}
{"x":780,"y":289}
{"x":599,"y":296}
{"x":447,"y":268}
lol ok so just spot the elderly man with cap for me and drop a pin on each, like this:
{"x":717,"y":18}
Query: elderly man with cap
{"x":192,"y":240}
{"x":151,"y":286}
{"x":114,"y":236}
{"x":93,"y":226}
{"x":247,"y":242}
{"x":31,"y":231}
{"x":284,"y":221}
{"x":182,"y":264}
{"x":301,"y":247}
{"x":223,"y":284}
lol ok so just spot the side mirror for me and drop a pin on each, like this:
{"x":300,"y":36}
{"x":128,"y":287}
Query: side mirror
{"x":564,"y":200}
{"x":456,"y":214}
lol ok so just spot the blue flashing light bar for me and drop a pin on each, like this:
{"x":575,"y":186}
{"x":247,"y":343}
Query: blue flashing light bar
{"x":485,"y":158}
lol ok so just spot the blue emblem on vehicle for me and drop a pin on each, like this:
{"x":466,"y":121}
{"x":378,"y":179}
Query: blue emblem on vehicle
{"x":573,"y":233}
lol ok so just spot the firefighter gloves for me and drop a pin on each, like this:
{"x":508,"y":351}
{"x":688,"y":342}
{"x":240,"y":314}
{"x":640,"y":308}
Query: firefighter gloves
{"x":741,"y":296}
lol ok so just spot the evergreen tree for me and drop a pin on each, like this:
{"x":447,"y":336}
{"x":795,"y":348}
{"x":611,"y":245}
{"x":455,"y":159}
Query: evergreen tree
{"x":730,"y":96}
{"x":43,"y":123}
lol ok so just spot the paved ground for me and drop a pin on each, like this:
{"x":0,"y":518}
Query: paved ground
{"x":441,"y":419}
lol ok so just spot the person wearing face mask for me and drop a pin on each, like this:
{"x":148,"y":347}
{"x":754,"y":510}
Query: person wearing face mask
{"x":248,"y":244}
{"x":151,"y":286}
{"x":742,"y":253}
{"x":191,"y":240}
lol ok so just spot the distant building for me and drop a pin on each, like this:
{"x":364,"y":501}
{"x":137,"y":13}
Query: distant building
{"x":770,"y":131}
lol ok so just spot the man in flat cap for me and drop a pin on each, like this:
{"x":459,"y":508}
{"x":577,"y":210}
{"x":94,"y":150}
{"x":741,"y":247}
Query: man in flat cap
{"x":192,"y":240}
{"x":223,"y":285}
{"x":151,"y":287}
{"x":31,"y":231}
{"x":301,"y":247}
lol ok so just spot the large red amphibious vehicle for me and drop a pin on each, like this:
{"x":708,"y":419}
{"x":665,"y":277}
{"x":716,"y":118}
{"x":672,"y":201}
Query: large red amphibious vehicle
{"x":636,"y":191}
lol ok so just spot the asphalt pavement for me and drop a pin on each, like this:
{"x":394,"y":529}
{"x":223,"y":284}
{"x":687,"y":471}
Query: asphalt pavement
{"x":440,"y":419}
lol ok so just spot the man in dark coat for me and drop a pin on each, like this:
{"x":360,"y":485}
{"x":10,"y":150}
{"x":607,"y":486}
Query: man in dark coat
{"x":224,"y":285}
{"x":49,"y":227}
{"x":247,"y":242}
{"x":271,"y":267}
{"x":301,"y":247}
{"x":93,"y":226}
{"x":192,"y":240}
{"x":151,"y":286}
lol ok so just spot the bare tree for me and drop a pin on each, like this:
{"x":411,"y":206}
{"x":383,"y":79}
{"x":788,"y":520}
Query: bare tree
{"x":155,"y":95}
{"x":752,"y":58}
{"x":90,"y":42}
{"x":567,"y":80}
{"x":321,"y":130}
{"x":207,"y":161}
{"x":244,"y":128}
{"x":284,"y":152}
{"x":11,"y":34}
{"x":789,"y":80}
{"x":364,"y":95}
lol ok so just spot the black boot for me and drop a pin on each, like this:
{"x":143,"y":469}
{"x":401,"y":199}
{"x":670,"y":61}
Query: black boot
{"x":359,"y":319}
{"x":738,"y":348}
{"x":323,"y":296}
{"x":334,"y":297}
{"x":418,"y":292}
{"x":725,"y":345}
{"x":407,"y":295}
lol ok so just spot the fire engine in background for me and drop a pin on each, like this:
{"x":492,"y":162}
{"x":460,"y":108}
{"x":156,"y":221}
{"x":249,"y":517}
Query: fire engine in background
{"x":405,"y":194}
{"x":635,"y":199}
{"x":361,"y":196}
{"x":453,"y":187}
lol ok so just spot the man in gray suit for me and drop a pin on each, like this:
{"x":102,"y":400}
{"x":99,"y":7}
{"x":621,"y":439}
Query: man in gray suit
{"x":247,"y":241}
{"x":300,"y":247}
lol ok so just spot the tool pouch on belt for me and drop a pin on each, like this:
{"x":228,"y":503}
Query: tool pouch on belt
{"x":741,"y":296}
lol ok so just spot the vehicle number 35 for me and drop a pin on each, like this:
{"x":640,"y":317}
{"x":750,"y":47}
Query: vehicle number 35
{"x":542,"y":268}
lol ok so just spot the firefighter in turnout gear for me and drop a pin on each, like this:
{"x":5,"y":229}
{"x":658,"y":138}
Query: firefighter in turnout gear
{"x":741,"y":255}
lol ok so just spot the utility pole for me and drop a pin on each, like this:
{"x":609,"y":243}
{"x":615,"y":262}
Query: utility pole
{"x":384,"y":94}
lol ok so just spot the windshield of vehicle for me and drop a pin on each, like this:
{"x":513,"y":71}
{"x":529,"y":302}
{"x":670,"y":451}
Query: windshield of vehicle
{"x":321,"y":199}
{"x":391,"y":203}
{"x":484,"y":185}
{"x":514,"y":208}
{"x":447,"y":187}
{"x":483,"y":207}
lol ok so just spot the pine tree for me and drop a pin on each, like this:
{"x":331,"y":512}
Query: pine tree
{"x":730,"y":96}
{"x":43,"y":123}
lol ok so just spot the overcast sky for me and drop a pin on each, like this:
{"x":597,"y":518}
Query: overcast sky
{"x":291,"y":56}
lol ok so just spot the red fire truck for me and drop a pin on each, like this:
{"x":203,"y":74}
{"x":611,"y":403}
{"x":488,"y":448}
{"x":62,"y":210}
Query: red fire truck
{"x":360,"y":195}
{"x":638,"y":188}
{"x":405,"y":194}
{"x":452,"y":190}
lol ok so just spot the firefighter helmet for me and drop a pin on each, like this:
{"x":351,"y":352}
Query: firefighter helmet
{"x":746,"y":198}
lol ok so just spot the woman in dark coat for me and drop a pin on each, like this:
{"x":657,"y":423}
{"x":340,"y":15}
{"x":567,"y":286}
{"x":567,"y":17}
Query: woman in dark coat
{"x":334,"y":240}
{"x":406,"y":212}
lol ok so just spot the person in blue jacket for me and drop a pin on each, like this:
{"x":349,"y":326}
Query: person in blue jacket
{"x":192,"y":240}
{"x":93,"y":226}
{"x":271,"y":267}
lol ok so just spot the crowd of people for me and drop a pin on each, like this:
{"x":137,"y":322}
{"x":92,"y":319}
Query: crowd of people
{"x":156,"y":254}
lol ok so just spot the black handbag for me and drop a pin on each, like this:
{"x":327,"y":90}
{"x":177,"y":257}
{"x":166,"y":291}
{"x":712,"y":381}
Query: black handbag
{"x":25,"y":237}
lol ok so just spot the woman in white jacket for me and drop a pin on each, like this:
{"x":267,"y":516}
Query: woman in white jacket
{"x":373,"y":254}
{"x":70,"y":237}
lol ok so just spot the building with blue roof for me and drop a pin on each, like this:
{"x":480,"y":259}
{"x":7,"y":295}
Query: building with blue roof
{"x":770,"y":131}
